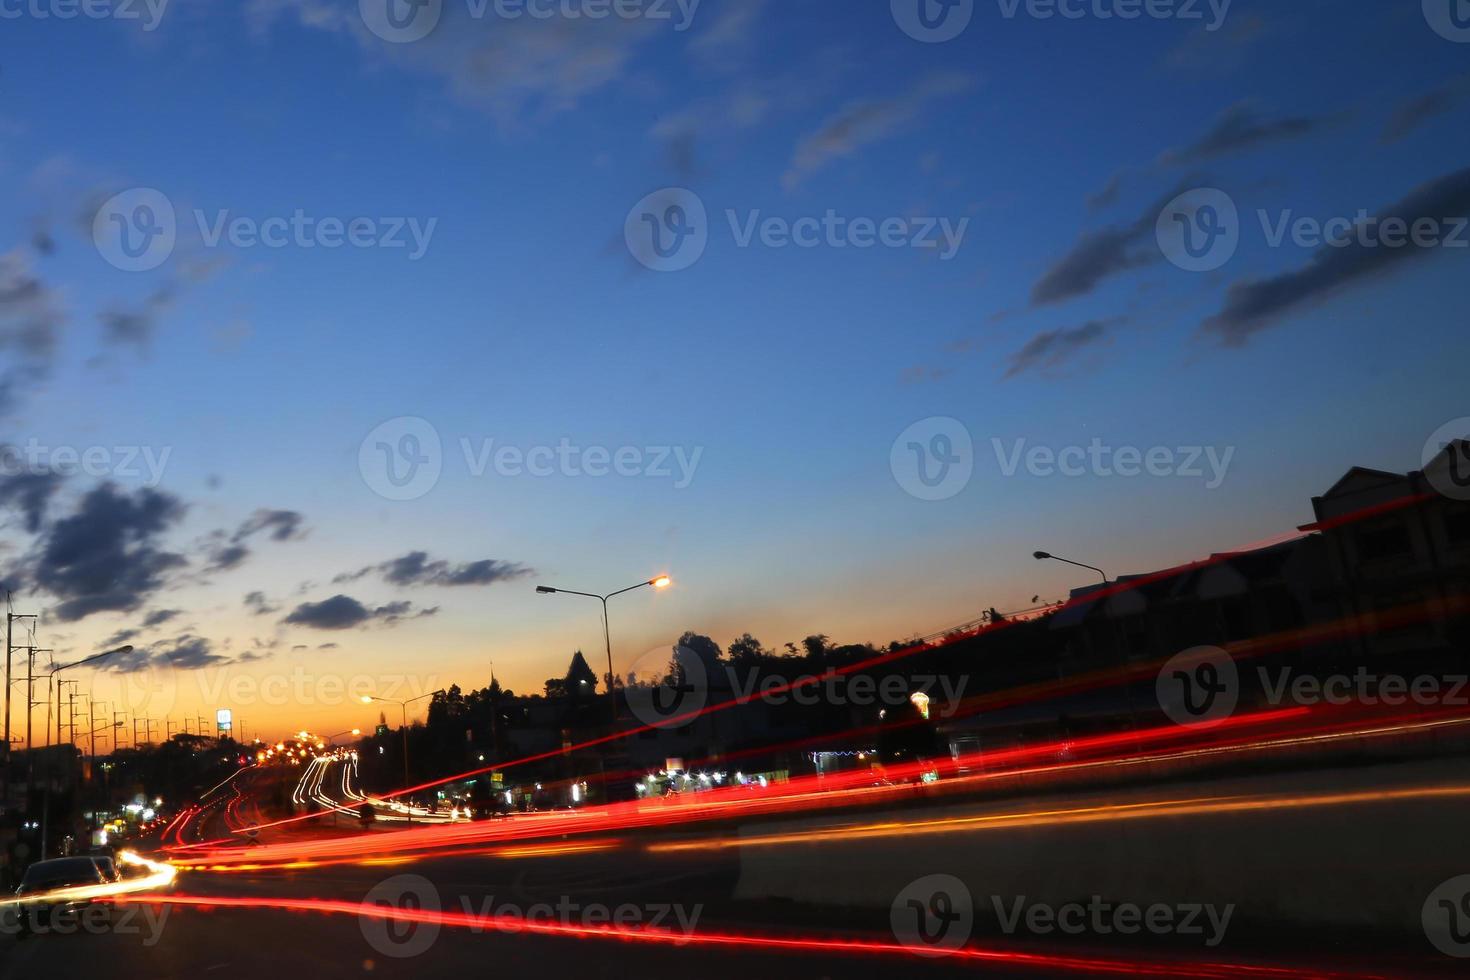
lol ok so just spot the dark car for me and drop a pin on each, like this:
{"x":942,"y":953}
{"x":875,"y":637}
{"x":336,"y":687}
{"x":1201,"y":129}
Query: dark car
{"x":48,"y":876}
{"x":108,"y":867}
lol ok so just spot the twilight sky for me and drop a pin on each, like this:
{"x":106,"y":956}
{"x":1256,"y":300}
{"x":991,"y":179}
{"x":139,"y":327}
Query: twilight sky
{"x":258,"y":260}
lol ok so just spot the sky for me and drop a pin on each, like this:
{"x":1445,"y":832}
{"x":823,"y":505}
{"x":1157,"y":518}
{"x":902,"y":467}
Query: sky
{"x":364,"y":326}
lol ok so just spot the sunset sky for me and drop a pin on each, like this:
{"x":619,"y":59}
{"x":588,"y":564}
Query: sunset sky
{"x":756,"y":394}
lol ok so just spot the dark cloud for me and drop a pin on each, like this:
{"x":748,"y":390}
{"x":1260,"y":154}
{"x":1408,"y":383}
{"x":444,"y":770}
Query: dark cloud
{"x":416,"y":568}
{"x":342,"y":612}
{"x":135,"y":326}
{"x":1253,"y":305}
{"x":106,"y":555}
{"x":1240,"y":128}
{"x":31,"y":318}
{"x":1052,"y":348}
{"x":30,"y":492}
{"x":120,"y":637}
{"x":258,"y":604}
{"x":227,"y":557}
{"x":1414,"y":113}
{"x":281,"y":525}
{"x":230,"y":552}
{"x":184,"y":652}
{"x":1099,"y":255}
{"x":160,"y":616}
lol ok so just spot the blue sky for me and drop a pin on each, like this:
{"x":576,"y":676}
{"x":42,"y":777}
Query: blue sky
{"x":790,"y":370}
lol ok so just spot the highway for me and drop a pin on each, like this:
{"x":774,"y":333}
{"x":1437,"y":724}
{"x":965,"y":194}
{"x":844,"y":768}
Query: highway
{"x":811,"y":894}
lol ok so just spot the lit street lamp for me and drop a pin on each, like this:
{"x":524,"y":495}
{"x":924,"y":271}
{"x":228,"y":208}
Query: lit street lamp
{"x":661,"y":582}
{"x":1044,"y":555}
{"x":403,"y":707}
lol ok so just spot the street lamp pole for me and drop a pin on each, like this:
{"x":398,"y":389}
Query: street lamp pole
{"x":46,"y":795}
{"x":1044,"y":555}
{"x":403,"y":709}
{"x":661,"y":582}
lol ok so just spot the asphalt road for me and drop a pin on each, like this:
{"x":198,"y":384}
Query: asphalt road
{"x":708,"y":890}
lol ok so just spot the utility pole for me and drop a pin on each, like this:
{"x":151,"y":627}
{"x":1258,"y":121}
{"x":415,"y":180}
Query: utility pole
{"x":10,"y":619}
{"x":30,"y":706}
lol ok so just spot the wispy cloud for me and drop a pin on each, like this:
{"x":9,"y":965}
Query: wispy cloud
{"x":863,"y":123}
{"x":1253,"y":305}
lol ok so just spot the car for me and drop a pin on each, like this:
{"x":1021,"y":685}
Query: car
{"x":48,"y":876}
{"x":108,"y":867}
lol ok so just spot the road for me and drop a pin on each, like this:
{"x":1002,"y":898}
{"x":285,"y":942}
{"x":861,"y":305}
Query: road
{"x":800,"y":880}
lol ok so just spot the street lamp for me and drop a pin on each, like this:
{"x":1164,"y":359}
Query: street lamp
{"x":50,"y":682}
{"x":403,"y":707}
{"x":1044,"y":555}
{"x":658,"y":582}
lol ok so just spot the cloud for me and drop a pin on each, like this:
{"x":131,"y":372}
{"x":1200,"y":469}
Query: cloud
{"x":31,"y":318}
{"x":1053,"y":348}
{"x":1253,"y":305}
{"x":1101,"y":254}
{"x":281,"y":525}
{"x":1239,"y":129}
{"x":160,"y":616}
{"x":513,"y":69}
{"x":135,"y":327}
{"x":226,"y":557}
{"x":863,"y":123}
{"x":29,"y":492}
{"x":1108,"y":195}
{"x":416,"y":568}
{"x":184,"y":652}
{"x":1414,"y":113}
{"x":732,"y":28}
{"x":342,"y":612}
{"x":105,"y":556}
{"x":258,"y":604}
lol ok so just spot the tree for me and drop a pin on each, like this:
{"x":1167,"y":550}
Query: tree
{"x":746,"y":651}
{"x":816,"y":647}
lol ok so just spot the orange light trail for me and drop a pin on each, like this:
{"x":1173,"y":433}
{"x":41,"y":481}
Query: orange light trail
{"x":1148,"y":810}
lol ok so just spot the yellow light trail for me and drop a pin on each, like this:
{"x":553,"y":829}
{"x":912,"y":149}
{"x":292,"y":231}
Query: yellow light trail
{"x":1148,"y":810}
